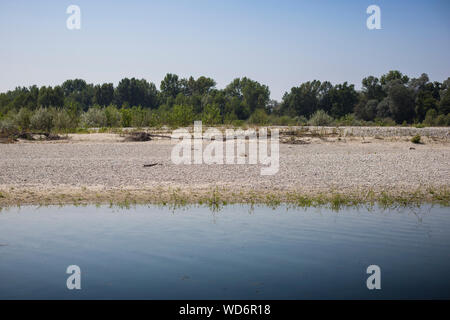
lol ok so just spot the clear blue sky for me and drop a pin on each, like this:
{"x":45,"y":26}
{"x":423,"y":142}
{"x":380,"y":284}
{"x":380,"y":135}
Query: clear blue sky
{"x":279,"y":43}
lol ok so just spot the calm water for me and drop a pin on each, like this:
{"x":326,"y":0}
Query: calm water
{"x":157,"y":253}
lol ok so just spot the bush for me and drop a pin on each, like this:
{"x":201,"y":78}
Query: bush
{"x":8,"y":127}
{"x":301,"y":121}
{"x":113,"y":116}
{"x":415,"y":139}
{"x":229,"y":117}
{"x":349,"y":120}
{"x":94,"y":118}
{"x":42,"y":120}
{"x":259,"y":116}
{"x":430,"y":118}
{"x":140,"y":117}
{"x":62,"y":121}
{"x":155,"y":118}
{"x":125,"y":115}
{"x":181,"y":115}
{"x":320,"y":118}
{"x":442,"y":120}
{"x":385,"y":122}
{"x":211,"y":115}
{"x":238,"y":123}
{"x":281,"y":121}
{"x":23,"y":118}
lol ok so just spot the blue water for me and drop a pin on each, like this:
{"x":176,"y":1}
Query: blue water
{"x":236,"y":253}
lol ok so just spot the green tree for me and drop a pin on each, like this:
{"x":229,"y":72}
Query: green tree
{"x":134,"y":92}
{"x":393,"y":75}
{"x":49,"y":96}
{"x":103,"y":94}
{"x":372,"y":88}
{"x":444,"y":104}
{"x":343,"y":98}
{"x":170,"y":86}
{"x":302,"y":100}
{"x":401,"y":102}
{"x":245,"y":96}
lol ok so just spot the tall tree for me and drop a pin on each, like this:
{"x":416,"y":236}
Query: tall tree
{"x":134,"y":92}
{"x":401,"y":101}
{"x":246,"y":95}
{"x":170,"y":86}
{"x":103,"y":94}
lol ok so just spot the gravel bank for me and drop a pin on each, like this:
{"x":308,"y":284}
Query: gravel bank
{"x":102,"y":164}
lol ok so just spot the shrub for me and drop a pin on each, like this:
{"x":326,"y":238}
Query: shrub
{"x":415,"y":139}
{"x":441,"y":120}
{"x":282,"y":121}
{"x":155,"y":119}
{"x":8,"y":127}
{"x":23,"y":118}
{"x":385,"y":122}
{"x":301,"y":121}
{"x":140,"y":117}
{"x":237,"y":123}
{"x":181,"y":115}
{"x":62,"y":121}
{"x":259,"y":116}
{"x":113,"y":116}
{"x":93,"y":118}
{"x":320,"y":118}
{"x":349,"y":120}
{"x":430,"y":118}
{"x":229,"y":118}
{"x":211,"y":115}
{"x":125,"y":115}
{"x":42,"y":120}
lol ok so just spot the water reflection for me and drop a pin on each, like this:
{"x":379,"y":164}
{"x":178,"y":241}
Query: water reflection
{"x":238,"y":252}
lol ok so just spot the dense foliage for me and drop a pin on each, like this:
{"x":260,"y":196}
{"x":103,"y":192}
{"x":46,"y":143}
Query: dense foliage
{"x":392,"y":99}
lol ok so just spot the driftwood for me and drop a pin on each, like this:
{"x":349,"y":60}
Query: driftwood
{"x":138,"y":136}
{"x":151,"y":165}
{"x":26,"y":135}
{"x":143,"y":136}
{"x":159,"y":136}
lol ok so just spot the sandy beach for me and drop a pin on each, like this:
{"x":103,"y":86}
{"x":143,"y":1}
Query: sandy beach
{"x":102,"y":167}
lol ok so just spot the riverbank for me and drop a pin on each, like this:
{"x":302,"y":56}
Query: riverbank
{"x":326,"y":166}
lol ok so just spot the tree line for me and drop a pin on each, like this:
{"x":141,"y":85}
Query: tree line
{"x":394,"y":98}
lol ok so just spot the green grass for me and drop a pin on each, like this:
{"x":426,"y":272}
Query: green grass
{"x":217,"y":198}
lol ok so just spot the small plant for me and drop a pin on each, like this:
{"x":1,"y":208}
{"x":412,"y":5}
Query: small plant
{"x":42,"y":120}
{"x":94,"y":118}
{"x":22,"y":118}
{"x":62,"y":121}
{"x":416,"y":139}
{"x":8,"y":127}
{"x":320,"y":118}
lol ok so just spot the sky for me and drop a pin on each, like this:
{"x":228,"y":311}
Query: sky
{"x":279,"y":43}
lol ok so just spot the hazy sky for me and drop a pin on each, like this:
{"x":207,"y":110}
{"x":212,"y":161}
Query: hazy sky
{"x":279,"y":43}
